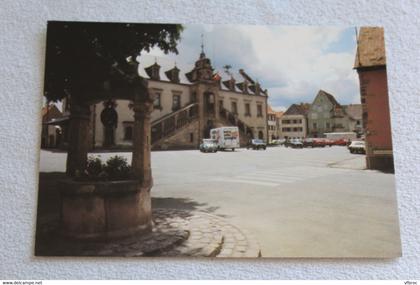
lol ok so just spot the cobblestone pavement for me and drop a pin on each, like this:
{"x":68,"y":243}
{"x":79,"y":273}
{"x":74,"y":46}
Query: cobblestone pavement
{"x":209,"y":236}
{"x":176,"y":233}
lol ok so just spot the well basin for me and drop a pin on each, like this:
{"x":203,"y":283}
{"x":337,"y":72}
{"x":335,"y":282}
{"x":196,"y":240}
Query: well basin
{"x":105,"y":209}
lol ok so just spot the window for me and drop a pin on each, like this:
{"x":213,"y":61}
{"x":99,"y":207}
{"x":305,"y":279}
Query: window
{"x":234,"y":107}
{"x":300,"y":121}
{"x":176,"y":102}
{"x":285,"y":121}
{"x":191,"y":137}
{"x":327,"y":125}
{"x":314,"y":125}
{"x":155,"y":73}
{"x":128,"y":133}
{"x":259,"y":111}
{"x":193,"y":97}
{"x":221,"y":104}
{"x":156,"y":102}
{"x":247,"y":109}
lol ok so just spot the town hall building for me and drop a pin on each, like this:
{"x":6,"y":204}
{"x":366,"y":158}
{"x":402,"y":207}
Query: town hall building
{"x":184,"y":112}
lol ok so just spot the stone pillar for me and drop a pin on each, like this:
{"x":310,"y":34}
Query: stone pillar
{"x":78,"y":139}
{"x":142,"y":142}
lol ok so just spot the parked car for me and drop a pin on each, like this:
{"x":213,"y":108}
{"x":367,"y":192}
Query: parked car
{"x":318,"y":142}
{"x":341,"y":142}
{"x":208,"y":145}
{"x":256,"y":144}
{"x":277,"y":142}
{"x":294,"y":143}
{"x":308,"y":142}
{"x":357,"y":147}
{"x":328,"y":142}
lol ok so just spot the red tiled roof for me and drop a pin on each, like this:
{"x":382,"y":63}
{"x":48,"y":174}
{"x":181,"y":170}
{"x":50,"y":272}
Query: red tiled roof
{"x":50,"y":112}
{"x":270,"y":110}
{"x":297,"y":109}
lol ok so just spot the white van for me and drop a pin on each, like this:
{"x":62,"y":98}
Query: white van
{"x":226,"y":137}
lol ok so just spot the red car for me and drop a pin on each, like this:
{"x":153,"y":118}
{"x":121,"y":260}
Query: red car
{"x":322,"y":142}
{"x":342,"y":142}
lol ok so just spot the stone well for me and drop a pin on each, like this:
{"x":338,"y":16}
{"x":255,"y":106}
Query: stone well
{"x":104,"y":210}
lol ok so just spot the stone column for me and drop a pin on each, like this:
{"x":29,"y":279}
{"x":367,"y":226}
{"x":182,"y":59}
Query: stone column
{"x":78,"y":139}
{"x":142,"y":142}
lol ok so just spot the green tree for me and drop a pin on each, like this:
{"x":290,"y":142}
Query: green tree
{"x":82,"y":56}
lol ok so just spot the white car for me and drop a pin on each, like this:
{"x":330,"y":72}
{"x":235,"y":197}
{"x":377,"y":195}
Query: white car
{"x":357,"y":147}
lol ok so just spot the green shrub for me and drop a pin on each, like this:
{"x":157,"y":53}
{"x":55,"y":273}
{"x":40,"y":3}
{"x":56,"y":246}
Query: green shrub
{"x":117,"y":168}
{"x":94,"y":166}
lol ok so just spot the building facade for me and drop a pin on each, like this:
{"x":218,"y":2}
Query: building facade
{"x":279,"y":115}
{"x":370,"y":64}
{"x":293,"y":123}
{"x":272,"y":124}
{"x":184,"y":112}
{"x":326,"y":115}
{"x":51,"y":134}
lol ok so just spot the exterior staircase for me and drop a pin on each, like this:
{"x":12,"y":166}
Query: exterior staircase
{"x":172,"y":123}
{"x":231,"y":119}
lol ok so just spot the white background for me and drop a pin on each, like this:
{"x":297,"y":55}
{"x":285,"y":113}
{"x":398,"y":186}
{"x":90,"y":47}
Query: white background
{"x":22,"y":43}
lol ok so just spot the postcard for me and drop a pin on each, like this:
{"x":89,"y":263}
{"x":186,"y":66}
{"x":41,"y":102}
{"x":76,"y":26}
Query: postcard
{"x":222,"y":141}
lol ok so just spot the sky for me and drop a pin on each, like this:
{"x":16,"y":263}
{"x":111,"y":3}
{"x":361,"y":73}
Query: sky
{"x":292,"y":62}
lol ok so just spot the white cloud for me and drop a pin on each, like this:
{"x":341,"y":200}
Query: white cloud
{"x":279,"y":108}
{"x":293,"y":63}
{"x":296,"y":62}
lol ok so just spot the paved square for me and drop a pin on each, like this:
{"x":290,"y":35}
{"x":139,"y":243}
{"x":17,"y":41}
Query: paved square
{"x":296,"y":202}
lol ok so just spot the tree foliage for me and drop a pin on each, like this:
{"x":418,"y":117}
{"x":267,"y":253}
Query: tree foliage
{"x":82,"y":56}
